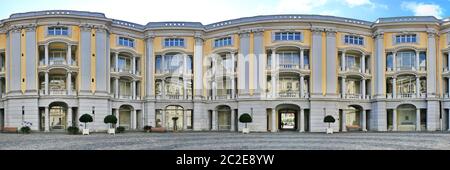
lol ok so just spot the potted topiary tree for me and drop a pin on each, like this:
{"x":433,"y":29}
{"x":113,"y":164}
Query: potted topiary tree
{"x":245,"y":118}
{"x":329,"y":119}
{"x":86,"y":118}
{"x":111,"y":120}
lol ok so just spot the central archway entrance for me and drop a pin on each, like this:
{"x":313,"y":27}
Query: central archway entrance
{"x":406,"y":117}
{"x":125,"y":116}
{"x":174,"y":118}
{"x":58,"y":116}
{"x":224,"y":116}
{"x":288,"y":117}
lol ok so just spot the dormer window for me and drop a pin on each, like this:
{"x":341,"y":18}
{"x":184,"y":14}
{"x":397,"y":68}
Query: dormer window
{"x":58,"y":30}
{"x":174,"y":42}
{"x":222,"y":42}
{"x":406,"y":38}
{"x":287,"y":36}
{"x":354,"y":40}
{"x":128,"y":42}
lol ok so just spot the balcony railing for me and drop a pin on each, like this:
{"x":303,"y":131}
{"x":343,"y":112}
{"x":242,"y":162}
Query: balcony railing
{"x":57,"y":92}
{"x":406,"y":96}
{"x":289,"y":66}
{"x":288,"y":95}
{"x":174,"y":97}
{"x":57,"y":62}
{"x":413,"y":68}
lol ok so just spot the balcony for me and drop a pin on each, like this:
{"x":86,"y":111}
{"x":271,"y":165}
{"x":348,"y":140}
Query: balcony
{"x":288,"y":96}
{"x":57,"y":62}
{"x":57,"y":92}
{"x":174,"y":97}
{"x":406,"y":96}
{"x":289,"y":66}
{"x":413,"y":68}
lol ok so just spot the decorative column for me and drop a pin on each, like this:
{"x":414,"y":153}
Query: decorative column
{"x":274,"y":120}
{"x":233,"y":121}
{"x":69,"y":117}
{"x":418,"y":87}
{"x":302,"y":83}
{"x":274,"y":84}
{"x":163,"y":88}
{"x":185,"y":96}
{"x":214,"y":89}
{"x":47,"y":119}
{"x":133,"y":65}
{"x":163,"y":119}
{"x":46,"y":83}
{"x":133,"y":119}
{"x":363,"y":89}
{"x":185,"y":64}
{"x":417,"y":60}
{"x":448,"y":60}
{"x":394,"y":61}
{"x":394,"y":87}
{"x":302,"y":121}
{"x":448,"y":88}
{"x":363,"y":63}
{"x":344,"y":121}
{"x":116,"y":87}
{"x":69,"y":54}
{"x":418,"y":128}
{"x":302,"y":58}
{"x":394,"y":120}
{"x":364,"y":123}
{"x":214,"y":121}
{"x":46,"y":55}
{"x":233,"y":88}
{"x":343,"y":61}
{"x":344,"y":89}
{"x":69,"y":83}
{"x":1,"y":87}
{"x":133,"y":88}
{"x":116,"y":60}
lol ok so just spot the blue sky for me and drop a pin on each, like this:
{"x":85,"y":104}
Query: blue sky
{"x":209,"y":11}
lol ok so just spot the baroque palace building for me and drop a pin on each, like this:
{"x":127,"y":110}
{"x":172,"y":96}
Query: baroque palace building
{"x":287,"y":71}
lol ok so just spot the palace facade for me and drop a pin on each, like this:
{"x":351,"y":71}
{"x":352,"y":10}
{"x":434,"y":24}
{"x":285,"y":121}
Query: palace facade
{"x":287,"y":71}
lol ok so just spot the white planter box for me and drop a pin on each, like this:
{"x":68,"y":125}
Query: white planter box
{"x":112,"y":131}
{"x":329,"y":130}
{"x":246,"y":131}
{"x":85,"y":131}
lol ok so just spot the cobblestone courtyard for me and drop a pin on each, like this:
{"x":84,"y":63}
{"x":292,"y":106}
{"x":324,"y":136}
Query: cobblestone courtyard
{"x":227,"y":141}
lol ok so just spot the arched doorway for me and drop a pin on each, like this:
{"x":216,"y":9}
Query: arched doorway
{"x":224,"y":117}
{"x":288,"y":117}
{"x":406,"y":117}
{"x":58,"y":116}
{"x":174,"y":118}
{"x":353,"y":118}
{"x":125,"y":116}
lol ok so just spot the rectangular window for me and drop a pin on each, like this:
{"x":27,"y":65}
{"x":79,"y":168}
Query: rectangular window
{"x":354,"y":40}
{"x":58,"y":31}
{"x":174,"y":42}
{"x":128,"y":42}
{"x":407,"y":38}
{"x":222,"y":42}
{"x":287,"y":36}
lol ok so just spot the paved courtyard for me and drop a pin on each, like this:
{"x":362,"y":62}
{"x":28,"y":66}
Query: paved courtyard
{"x":227,"y":141}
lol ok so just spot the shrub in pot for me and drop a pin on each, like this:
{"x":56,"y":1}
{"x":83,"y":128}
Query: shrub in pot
{"x":25,"y":130}
{"x":73,"y":130}
{"x":111,"y":120}
{"x":120,"y":129}
{"x":86,"y":118}
{"x":245,"y":118}
{"x":147,"y":129}
{"x":329,"y":119}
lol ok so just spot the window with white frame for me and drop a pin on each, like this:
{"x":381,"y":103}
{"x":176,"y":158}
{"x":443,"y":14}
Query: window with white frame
{"x":406,"y":38}
{"x":174,"y":42}
{"x":406,"y":60}
{"x":128,"y":42}
{"x":222,"y":42}
{"x":287,"y":36}
{"x":354,"y":40}
{"x":57,"y":30}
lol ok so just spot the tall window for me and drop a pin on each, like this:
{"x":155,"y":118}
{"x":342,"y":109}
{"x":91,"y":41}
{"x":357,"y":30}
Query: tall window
{"x":407,"y":38}
{"x":174,"y":42}
{"x":125,"y":88}
{"x":287,"y":36}
{"x":126,"y":42}
{"x":406,"y":60}
{"x":289,"y":59}
{"x":355,"y":40}
{"x":222,"y":42}
{"x":124,"y":63}
{"x":58,"y":31}
{"x":406,"y":85}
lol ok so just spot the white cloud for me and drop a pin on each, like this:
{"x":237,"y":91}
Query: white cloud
{"x":355,"y":3}
{"x":299,"y":6}
{"x":423,"y":9}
